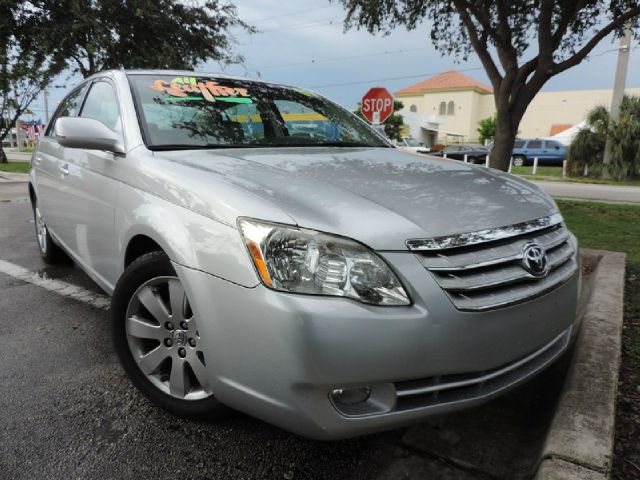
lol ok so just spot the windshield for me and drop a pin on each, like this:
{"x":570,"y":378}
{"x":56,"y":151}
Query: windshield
{"x":207,"y":112}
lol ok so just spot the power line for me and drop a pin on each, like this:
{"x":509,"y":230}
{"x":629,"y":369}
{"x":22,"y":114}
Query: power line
{"x":290,"y":14}
{"x":361,"y":82}
{"x":291,"y":26}
{"x":349,"y":57}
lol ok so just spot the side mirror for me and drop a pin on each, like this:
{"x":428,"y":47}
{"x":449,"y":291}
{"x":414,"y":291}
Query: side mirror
{"x":88,"y":134}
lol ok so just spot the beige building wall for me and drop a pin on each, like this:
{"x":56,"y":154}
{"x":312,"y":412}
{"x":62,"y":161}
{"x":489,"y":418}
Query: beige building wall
{"x":546,"y":109}
{"x":565,"y":107}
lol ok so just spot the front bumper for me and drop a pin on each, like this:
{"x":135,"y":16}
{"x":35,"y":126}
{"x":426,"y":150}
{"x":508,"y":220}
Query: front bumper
{"x":277,"y":356}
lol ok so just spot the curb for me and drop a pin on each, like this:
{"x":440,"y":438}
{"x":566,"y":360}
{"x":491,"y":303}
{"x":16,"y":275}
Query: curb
{"x":579,"y":443}
{"x":13,"y":177}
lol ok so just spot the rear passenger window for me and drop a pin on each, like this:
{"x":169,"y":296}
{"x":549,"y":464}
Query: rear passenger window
{"x":102,"y":105}
{"x":535,"y":144}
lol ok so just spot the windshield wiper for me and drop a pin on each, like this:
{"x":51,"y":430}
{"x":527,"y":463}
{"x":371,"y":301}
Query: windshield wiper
{"x":181,"y":146}
{"x":338,"y":143}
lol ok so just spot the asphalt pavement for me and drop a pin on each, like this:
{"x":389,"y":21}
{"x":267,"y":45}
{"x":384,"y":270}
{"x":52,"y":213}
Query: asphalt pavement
{"x":69,"y":412}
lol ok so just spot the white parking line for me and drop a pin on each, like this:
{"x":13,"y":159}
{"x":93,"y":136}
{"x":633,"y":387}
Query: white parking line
{"x":60,"y":287}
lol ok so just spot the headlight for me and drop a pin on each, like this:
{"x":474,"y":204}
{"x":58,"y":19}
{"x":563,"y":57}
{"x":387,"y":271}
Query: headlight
{"x":298,"y":260}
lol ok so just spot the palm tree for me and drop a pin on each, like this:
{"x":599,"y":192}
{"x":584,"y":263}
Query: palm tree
{"x":587,"y":148}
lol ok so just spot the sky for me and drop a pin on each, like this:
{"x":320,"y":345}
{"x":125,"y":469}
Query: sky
{"x":303,"y":43}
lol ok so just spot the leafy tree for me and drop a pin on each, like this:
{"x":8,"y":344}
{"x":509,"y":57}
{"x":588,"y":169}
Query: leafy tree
{"x":587,"y":148}
{"x":144,"y":33}
{"x":487,"y":129}
{"x":29,"y":59}
{"x":521,"y":43}
{"x":393,"y":124}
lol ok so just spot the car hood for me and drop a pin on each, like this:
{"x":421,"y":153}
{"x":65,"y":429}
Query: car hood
{"x":379,"y":196}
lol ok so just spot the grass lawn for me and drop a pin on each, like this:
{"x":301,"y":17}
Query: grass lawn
{"x":617,"y":227}
{"x":15,"y":167}
{"x":605,"y":226}
{"x":542,"y":171}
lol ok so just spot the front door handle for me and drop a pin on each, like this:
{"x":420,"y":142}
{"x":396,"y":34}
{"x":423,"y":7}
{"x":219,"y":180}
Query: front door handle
{"x":37,"y":159}
{"x":64,"y":169}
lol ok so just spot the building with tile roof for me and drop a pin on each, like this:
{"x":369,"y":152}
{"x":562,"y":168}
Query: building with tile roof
{"x":446,"y":108}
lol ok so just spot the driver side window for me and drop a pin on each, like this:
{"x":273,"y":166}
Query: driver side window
{"x":102,"y":105}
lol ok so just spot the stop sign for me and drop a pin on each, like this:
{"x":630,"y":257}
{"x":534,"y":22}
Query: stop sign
{"x":377,"y":105}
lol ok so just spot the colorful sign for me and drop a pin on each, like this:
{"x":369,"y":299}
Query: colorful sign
{"x":189,"y":88}
{"x":377,"y":105}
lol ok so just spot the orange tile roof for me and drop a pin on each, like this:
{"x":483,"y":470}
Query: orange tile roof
{"x":559,"y":127}
{"x":450,"y":80}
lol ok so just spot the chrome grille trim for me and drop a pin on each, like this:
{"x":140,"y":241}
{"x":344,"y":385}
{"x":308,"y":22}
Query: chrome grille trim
{"x":482,"y":236}
{"x":492,"y":275}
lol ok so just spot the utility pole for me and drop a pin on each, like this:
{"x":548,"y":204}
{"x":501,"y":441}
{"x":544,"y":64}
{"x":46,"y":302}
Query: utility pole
{"x":618,"y":93}
{"x":46,"y":105}
{"x":19,"y":134}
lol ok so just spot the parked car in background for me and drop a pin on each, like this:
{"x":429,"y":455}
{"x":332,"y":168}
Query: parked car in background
{"x":326,"y":283}
{"x":548,"y":152}
{"x":409,"y":144}
{"x":474,"y":153}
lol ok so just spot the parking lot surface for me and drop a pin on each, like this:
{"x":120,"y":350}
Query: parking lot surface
{"x":69,"y":412}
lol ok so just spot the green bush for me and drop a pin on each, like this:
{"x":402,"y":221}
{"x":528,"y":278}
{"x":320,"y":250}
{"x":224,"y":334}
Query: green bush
{"x":587,"y":148}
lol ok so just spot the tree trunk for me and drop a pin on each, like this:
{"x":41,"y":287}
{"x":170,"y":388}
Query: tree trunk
{"x":3,"y":156}
{"x":503,"y":142}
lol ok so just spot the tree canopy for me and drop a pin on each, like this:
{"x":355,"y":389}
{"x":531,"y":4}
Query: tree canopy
{"x":41,"y":38}
{"x":487,"y":129}
{"x":520,"y":43}
{"x":143,"y":33}
{"x":29,"y":59}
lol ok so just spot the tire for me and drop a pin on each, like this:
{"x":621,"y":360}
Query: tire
{"x":157,"y":346}
{"x":519,"y":161}
{"x":49,"y":251}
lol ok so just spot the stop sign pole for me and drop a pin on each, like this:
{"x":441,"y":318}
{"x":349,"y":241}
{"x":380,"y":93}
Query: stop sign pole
{"x":377,"y":105}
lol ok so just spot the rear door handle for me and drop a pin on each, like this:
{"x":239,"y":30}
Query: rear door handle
{"x":64,"y":169}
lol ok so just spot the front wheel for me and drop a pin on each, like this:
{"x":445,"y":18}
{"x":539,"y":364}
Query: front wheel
{"x":156,"y":337}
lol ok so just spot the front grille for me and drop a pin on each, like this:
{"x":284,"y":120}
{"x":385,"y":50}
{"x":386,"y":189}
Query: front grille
{"x":490,"y":274}
{"x":445,"y":389}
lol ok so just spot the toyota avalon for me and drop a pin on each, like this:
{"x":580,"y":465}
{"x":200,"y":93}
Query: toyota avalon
{"x":267,"y":250}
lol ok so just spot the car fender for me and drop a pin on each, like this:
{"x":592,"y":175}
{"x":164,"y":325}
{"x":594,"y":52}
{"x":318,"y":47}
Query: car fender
{"x":188,"y":238}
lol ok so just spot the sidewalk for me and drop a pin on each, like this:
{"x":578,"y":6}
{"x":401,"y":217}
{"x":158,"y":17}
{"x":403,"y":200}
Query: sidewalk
{"x":592,"y":191}
{"x":13,"y":177}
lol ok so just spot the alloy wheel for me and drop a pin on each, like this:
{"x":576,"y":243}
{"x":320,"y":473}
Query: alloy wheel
{"x":41,"y":231}
{"x":163,"y":338}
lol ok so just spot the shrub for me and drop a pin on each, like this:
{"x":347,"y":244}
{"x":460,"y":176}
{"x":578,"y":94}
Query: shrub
{"x":587,"y":148}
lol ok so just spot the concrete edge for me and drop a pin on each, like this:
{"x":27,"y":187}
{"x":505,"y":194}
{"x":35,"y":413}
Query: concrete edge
{"x":13,"y":177}
{"x":579,"y":443}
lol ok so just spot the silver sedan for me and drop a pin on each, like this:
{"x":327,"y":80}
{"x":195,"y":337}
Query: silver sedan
{"x":267,"y":250}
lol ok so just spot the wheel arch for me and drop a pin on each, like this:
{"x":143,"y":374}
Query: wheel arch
{"x":139,"y":245}
{"x":32,"y":194}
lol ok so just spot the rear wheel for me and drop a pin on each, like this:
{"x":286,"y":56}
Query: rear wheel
{"x":156,"y":336}
{"x":49,"y":251}
{"x":519,"y":161}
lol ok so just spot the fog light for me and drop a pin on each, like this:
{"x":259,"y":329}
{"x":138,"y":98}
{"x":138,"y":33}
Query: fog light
{"x":350,"y":396}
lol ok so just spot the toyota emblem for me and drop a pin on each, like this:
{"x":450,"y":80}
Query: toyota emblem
{"x":534,"y":260}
